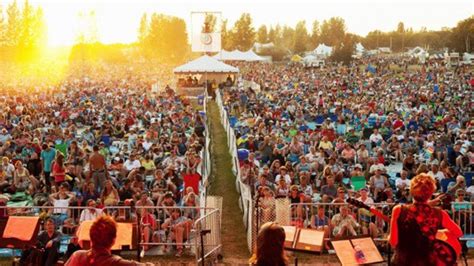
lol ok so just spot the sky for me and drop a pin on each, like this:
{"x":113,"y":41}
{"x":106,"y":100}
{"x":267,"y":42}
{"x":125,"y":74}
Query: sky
{"x":117,"y":21}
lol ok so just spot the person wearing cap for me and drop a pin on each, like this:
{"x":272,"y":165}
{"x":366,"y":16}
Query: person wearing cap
{"x":357,"y":171}
{"x":362,"y":154}
{"x":344,"y":224}
{"x":283,"y":175}
{"x":341,"y":196}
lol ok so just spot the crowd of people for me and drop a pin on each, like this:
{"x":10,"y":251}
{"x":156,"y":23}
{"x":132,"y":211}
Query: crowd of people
{"x":361,"y":131}
{"x":100,"y":140}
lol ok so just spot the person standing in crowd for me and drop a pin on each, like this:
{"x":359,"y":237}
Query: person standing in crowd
{"x":103,"y":234}
{"x":97,"y":168}
{"x":58,"y":169}
{"x":416,"y":225}
{"x":47,"y":157}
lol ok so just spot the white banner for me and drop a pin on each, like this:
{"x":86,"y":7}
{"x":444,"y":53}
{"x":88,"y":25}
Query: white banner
{"x":206,"y":42}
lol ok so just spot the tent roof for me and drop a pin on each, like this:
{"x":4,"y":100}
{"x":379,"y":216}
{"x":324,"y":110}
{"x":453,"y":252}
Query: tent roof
{"x":252,"y":56}
{"x":323,"y":49}
{"x":205,"y":64}
{"x":237,"y":55}
{"x":359,"y":47}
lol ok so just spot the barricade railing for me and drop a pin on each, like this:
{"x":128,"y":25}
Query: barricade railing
{"x":462,"y":213}
{"x":158,"y":226}
{"x":304,"y":214}
{"x":207,"y":242}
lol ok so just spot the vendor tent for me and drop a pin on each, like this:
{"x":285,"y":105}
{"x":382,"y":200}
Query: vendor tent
{"x":252,"y":56}
{"x":237,"y":55}
{"x":205,"y":64}
{"x":359,"y":48}
{"x":323,"y":50}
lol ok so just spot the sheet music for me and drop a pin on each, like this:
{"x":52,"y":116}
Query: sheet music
{"x":345,"y":252}
{"x":311,"y":237}
{"x":367,"y":245}
{"x":290,"y":232}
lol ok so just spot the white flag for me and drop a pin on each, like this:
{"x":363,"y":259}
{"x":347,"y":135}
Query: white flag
{"x":206,"y":42}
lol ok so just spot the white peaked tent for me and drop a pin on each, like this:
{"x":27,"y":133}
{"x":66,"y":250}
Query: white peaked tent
{"x":359,"y":48}
{"x":237,"y":55}
{"x":323,"y":49}
{"x":252,"y":56}
{"x":205,"y":64}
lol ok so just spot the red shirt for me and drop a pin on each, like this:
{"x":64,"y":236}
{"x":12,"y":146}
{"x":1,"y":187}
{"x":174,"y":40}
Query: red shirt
{"x":61,"y":176}
{"x":192,"y":180}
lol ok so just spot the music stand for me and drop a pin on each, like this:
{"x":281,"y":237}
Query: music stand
{"x":19,"y":232}
{"x":345,"y":250}
{"x":303,"y":239}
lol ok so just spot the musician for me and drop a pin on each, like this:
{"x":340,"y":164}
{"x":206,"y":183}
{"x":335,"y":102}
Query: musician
{"x":270,"y":243}
{"x":103,"y":234}
{"x":414,"y":226}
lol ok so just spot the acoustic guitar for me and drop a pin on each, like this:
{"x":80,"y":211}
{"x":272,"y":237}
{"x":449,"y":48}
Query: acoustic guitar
{"x":447,"y":248}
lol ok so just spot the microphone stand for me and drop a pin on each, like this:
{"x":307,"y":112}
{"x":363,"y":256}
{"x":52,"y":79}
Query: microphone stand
{"x":139,"y":236}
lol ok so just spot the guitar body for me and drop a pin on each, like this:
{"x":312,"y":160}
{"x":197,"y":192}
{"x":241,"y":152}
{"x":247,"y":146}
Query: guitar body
{"x":446,"y":248}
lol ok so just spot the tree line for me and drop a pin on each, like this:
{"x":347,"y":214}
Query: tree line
{"x":22,"y":31}
{"x":164,"y":38}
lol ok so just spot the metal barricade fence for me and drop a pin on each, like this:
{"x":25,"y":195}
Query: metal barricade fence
{"x":160,"y":224}
{"x":304,"y":215}
{"x":169,"y":227}
{"x":301,"y":215}
{"x":208,"y":239}
{"x":462,"y":213}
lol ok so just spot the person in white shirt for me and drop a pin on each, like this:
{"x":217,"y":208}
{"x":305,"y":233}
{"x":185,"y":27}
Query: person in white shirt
{"x":402,"y":182}
{"x":283,"y":174}
{"x":8,"y":168}
{"x":132,"y":163}
{"x":376,"y":138}
{"x":91,"y":213}
{"x":435,"y":173}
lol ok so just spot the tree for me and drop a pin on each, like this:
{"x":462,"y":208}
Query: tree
{"x":243,"y":33}
{"x":262,"y":34}
{"x":209,"y":23}
{"x":463,"y":36}
{"x":27,"y":22}
{"x":315,"y":35}
{"x":143,"y":29}
{"x":344,"y":50}
{"x":333,"y":31}
{"x":3,"y":27}
{"x":166,"y":39}
{"x":271,"y":34}
{"x":300,"y":38}
{"x":226,"y":41}
{"x":14,"y":24}
{"x":286,"y":38}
